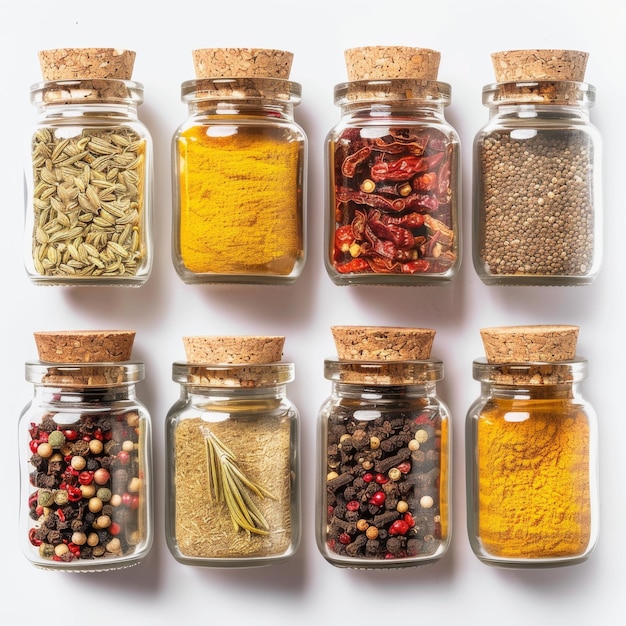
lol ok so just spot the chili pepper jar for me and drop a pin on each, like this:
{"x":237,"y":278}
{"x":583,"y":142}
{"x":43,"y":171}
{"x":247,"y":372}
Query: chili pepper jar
{"x":383,"y":451}
{"x":393,"y":173}
{"x":531,"y":451}
{"x":240,"y":171}
{"x":85,"y":450}
{"x":89,"y":173}
{"x":537,"y":217}
{"x":232,"y":448}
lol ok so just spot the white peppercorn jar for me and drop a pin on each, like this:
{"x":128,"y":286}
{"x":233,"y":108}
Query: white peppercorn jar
{"x":232,"y":453}
{"x":531,"y":451}
{"x":88,"y":179}
{"x":392,"y":173}
{"x":537,"y":214}
{"x":384,"y":441}
{"x":85,"y":461}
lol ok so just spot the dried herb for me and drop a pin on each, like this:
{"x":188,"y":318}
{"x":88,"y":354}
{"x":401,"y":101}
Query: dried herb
{"x":230,"y":485}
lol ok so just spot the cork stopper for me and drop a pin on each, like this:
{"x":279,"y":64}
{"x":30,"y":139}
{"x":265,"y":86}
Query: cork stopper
{"x":86,"y":63}
{"x":235,"y":350}
{"x":104,"y":346}
{"x":523,"y":344}
{"x":242,"y":63}
{"x":544,"y":65}
{"x":387,"y":62}
{"x":383,"y":343}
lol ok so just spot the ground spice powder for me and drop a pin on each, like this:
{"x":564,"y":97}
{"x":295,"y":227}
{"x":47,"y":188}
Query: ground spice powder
{"x":203,"y":526}
{"x":534,"y":499}
{"x":238,"y":202}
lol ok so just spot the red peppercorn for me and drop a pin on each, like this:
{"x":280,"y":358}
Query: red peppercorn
{"x":399,"y":527}
{"x":378,"y":498}
{"x":368,"y":478}
{"x":31,"y":537}
{"x":408,"y":518}
{"x":344,"y":538}
{"x":70,"y":434}
{"x":404,"y":467}
{"x":353,"y":505}
{"x":74,"y":494}
{"x":33,"y":445}
{"x":85,"y":478}
{"x":123,"y":457}
{"x":381,"y":479}
{"x":114,"y":528}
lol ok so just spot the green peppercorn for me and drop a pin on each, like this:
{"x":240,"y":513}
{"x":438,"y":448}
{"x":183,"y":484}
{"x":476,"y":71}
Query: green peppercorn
{"x":56,"y":439}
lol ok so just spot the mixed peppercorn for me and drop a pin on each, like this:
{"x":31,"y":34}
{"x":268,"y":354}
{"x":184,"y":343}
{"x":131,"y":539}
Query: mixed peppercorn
{"x":87,"y":497}
{"x":383,"y":485}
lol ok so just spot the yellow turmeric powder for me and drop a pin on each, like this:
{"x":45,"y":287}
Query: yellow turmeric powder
{"x":533,"y":478}
{"x":240,"y":199}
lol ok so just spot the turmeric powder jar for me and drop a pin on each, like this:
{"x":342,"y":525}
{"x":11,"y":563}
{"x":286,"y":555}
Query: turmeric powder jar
{"x":531,"y":451}
{"x":393,"y":173}
{"x":240,"y":171}
{"x":89,"y":174}
{"x":383,"y":452}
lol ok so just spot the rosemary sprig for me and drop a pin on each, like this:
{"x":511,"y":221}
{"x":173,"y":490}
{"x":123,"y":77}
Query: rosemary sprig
{"x":228,"y":484}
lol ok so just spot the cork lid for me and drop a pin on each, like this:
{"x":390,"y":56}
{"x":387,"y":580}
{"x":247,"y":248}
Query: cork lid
{"x":521,"y":344}
{"x":75,"y":346}
{"x":544,"y":65}
{"x":382,"y":343}
{"x":386,"y":62}
{"x":242,"y":63}
{"x":234,"y":349}
{"x":86,"y":63}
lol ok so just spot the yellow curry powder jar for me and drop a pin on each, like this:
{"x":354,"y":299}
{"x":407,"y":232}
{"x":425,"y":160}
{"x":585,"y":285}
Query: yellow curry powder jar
{"x":393,"y":194}
{"x":531,"y":451}
{"x":239,"y":163}
{"x":89,"y":175}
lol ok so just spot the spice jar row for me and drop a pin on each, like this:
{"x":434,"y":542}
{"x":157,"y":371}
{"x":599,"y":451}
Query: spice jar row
{"x":393,"y":172}
{"x":233,"y":463}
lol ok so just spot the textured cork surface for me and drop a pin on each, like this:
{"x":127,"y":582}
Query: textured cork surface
{"x":382,"y":343}
{"x":521,"y":344}
{"x":242,"y":63}
{"x":104,"y":346}
{"x":86,"y":63}
{"x":391,"y":62}
{"x":234,"y":349}
{"x":545,"y":65}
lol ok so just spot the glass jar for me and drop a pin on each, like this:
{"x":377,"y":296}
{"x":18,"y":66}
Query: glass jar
{"x":240,"y":182}
{"x":383,"y":457}
{"x":85,"y":450}
{"x":531,"y":465}
{"x":88,"y":185}
{"x":233,"y":480}
{"x":537,"y":216}
{"x":393,"y":183}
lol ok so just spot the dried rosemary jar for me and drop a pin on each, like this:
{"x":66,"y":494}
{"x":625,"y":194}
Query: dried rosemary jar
{"x":232,"y":448}
{"x":531,"y":451}
{"x":85,"y":450}
{"x":392,"y":173}
{"x":537,"y":216}
{"x":383,"y":451}
{"x":240,"y":171}
{"x":89,"y":176}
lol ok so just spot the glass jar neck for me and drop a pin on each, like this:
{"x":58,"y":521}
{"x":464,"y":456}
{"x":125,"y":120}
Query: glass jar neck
{"x":397,"y":97}
{"x":390,"y":375}
{"x":89,"y":97}
{"x":83,"y":377}
{"x":226,"y":379}
{"x":382,"y":393}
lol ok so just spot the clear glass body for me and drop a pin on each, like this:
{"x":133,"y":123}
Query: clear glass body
{"x":86,"y":468}
{"x":88,"y":185}
{"x":239,"y":164}
{"x":233,"y":479}
{"x":383,"y":479}
{"x":392,"y":186}
{"x":531,"y":466}
{"x":537,"y":215}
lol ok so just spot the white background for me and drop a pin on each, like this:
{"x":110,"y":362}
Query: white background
{"x":458,"y":588}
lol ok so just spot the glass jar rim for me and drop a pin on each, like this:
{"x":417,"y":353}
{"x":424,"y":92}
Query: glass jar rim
{"x":233,"y":375}
{"x":530,"y":373}
{"x":84,"y":375}
{"x":551,"y":92}
{"x":409,"y":90}
{"x":241,"y":89}
{"x":87,"y":91}
{"x":384,"y":373}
